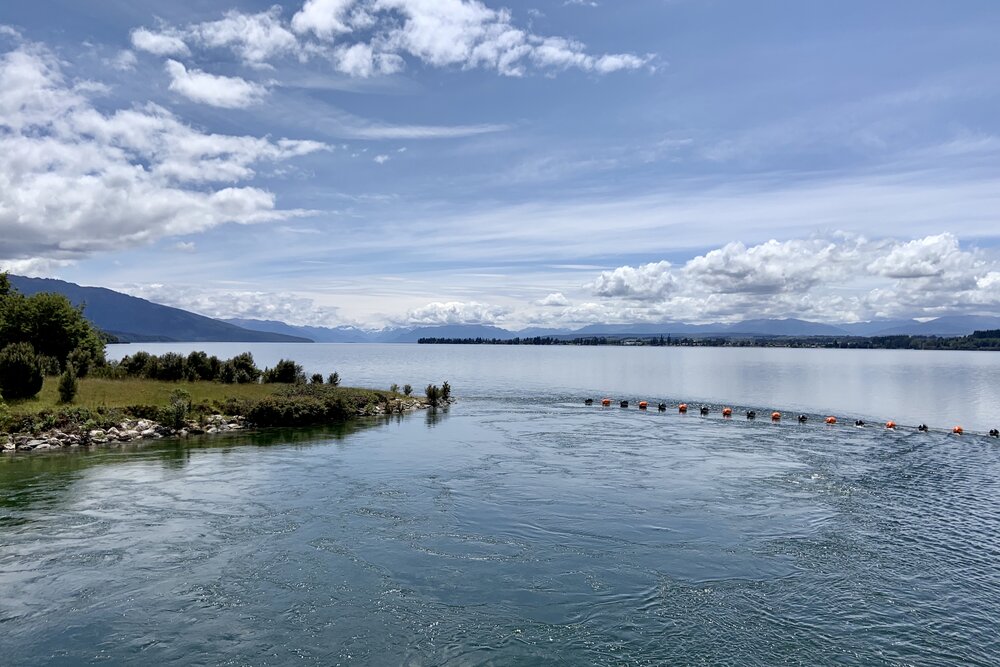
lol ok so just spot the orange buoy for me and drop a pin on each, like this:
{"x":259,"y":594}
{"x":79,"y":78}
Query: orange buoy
{"x":605,"y":402}
{"x":776,"y":416}
{"x":727,"y":412}
{"x":891,"y":425}
{"x":643,"y":405}
{"x":958,"y":430}
{"x":683,"y":407}
{"x":830,"y":420}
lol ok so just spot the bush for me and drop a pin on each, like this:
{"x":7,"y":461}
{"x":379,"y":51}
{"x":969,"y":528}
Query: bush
{"x":334,"y":379}
{"x":407,"y":390}
{"x":394,"y":388}
{"x":170,"y":367}
{"x":50,"y":365}
{"x":202,"y":367}
{"x":445,"y":392}
{"x":20,"y":372}
{"x":175,"y":414}
{"x":68,"y":385}
{"x":433,"y":393}
{"x":227,"y":373}
{"x":317,"y":378}
{"x":285,"y":371}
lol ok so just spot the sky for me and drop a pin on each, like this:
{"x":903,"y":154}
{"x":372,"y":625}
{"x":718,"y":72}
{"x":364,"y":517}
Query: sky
{"x":543,"y":163}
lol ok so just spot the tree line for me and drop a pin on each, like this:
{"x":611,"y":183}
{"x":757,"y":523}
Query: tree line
{"x":978,"y":340}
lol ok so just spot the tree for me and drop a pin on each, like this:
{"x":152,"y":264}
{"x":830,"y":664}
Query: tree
{"x":20,"y":372}
{"x":51,"y":324}
{"x":407,"y":390}
{"x":246,"y":369}
{"x":317,"y":378}
{"x":285,"y":371}
{"x":445,"y":392}
{"x":334,"y":379}
{"x":394,"y":388}
{"x":68,"y":384}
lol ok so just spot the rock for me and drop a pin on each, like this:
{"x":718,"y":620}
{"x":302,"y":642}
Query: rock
{"x":42,"y":447}
{"x":131,"y":434}
{"x":234,"y":426}
{"x":113,"y":432}
{"x":34,"y":444}
{"x":182,"y":433}
{"x":9,"y":446}
{"x":147,"y":432}
{"x":212,"y":429}
{"x":143,"y":425}
{"x":195,"y":430}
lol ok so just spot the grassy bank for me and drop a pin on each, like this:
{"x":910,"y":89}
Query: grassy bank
{"x":106,"y":402}
{"x":97,"y":393}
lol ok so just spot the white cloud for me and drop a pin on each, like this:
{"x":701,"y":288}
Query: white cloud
{"x":324,"y":18}
{"x":255,"y":38}
{"x":554,"y":299}
{"x":843,"y":279}
{"x":124,"y":60}
{"x":381,"y":159}
{"x":75,"y":180}
{"x":227,"y":92}
{"x":166,"y":43}
{"x":222,"y":303}
{"x":649,"y":281}
{"x":456,"y":312}
{"x":365,"y":38}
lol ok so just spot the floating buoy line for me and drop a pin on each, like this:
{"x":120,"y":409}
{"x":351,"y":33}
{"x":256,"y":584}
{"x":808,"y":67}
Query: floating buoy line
{"x":727,"y":413}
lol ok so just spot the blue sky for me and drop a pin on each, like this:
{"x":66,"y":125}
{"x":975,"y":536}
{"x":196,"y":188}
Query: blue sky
{"x":381,"y":162}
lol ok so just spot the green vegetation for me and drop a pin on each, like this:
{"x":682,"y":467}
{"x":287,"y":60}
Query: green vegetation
{"x":979,"y":340}
{"x":20,"y":371}
{"x":433,"y":393}
{"x":285,"y":371}
{"x":68,"y":384}
{"x":42,"y":334}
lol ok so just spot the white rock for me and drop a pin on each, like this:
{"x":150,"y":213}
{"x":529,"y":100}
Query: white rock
{"x":148,"y":432}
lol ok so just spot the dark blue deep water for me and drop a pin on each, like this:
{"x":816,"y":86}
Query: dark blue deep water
{"x":520,"y":527}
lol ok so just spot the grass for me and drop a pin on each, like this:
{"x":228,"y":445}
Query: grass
{"x":100,"y":393}
{"x":104,"y":401}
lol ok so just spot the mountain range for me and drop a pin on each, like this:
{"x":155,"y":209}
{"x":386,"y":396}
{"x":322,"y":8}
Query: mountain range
{"x":132,"y":319}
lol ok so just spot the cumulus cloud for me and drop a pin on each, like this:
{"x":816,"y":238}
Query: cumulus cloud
{"x":364,"y":38}
{"x":227,"y":92}
{"x":649,"y":281}
{"x":554,"y":299}
{"x":75,"y":180}
{"x":255,"y":38}
{"x":166,"y":43}
{"x":456,"y":312}
{"x":842,"y":279}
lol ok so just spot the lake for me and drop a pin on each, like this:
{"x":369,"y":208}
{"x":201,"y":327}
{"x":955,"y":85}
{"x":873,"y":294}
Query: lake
{"x":521,"y":527}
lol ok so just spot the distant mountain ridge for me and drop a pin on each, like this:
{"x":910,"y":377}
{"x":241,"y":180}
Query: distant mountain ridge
{"x":138,"y":320}
{"x":132,"y":319}
{"x":945,"y":326}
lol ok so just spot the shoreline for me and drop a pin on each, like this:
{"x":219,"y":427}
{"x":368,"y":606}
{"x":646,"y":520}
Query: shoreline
{"x":75,"y":436}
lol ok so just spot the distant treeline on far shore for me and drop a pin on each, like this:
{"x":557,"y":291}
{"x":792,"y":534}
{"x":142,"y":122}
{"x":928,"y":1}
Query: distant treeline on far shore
{"x":978,"y":340}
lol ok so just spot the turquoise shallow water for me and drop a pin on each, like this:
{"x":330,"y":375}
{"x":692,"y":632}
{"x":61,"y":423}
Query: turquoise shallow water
{"x":518,"y":527}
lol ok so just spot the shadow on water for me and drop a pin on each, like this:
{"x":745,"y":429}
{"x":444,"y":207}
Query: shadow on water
{"x":37,"y":480}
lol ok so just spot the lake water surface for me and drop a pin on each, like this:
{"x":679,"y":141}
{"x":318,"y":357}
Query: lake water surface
{"x":520,"y":527}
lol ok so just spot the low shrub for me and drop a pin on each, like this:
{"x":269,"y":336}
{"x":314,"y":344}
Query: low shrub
{"x":20,"y":373}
